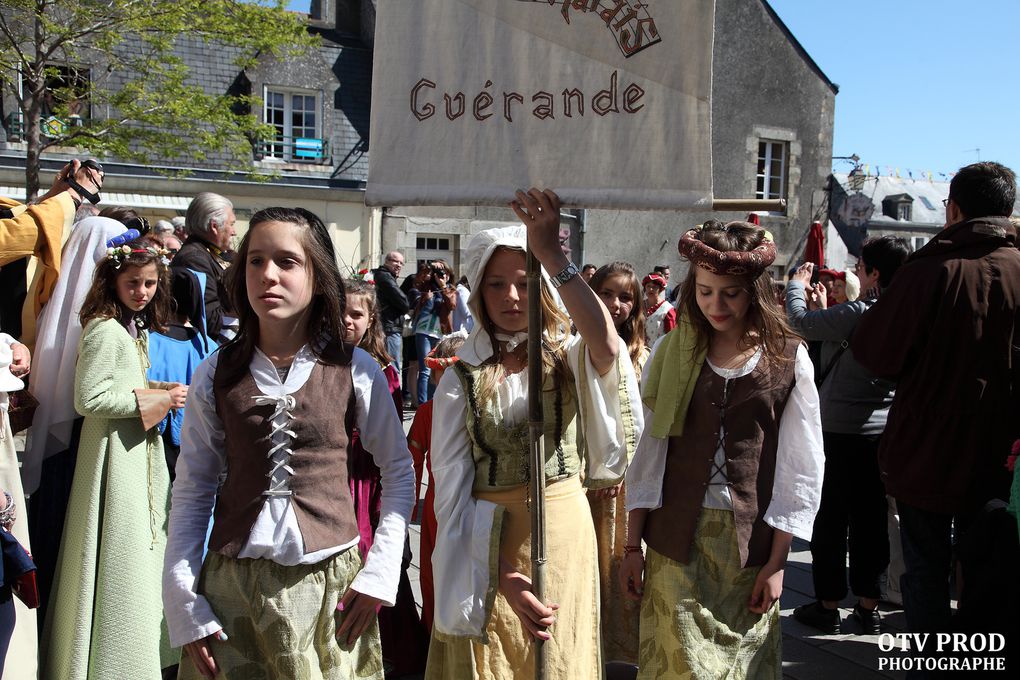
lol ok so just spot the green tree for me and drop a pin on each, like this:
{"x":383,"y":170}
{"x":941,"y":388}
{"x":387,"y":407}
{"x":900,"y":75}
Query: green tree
{"x":118,"y":58}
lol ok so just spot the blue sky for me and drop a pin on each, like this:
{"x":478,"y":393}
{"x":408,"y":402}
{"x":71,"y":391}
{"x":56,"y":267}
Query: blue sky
{"x":923,"y":84}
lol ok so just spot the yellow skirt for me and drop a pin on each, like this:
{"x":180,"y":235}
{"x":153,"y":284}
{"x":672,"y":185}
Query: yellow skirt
{"x":571,"y":580}
{"x":620,"y":614}
{"x":695,"y":623}
{"x":282,"y":621}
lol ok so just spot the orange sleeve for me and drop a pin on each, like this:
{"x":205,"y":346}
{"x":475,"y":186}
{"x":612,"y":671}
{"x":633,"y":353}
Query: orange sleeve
{"x":36,"y":230}
{"x":419,"y":438}
{"x":418,"y":446}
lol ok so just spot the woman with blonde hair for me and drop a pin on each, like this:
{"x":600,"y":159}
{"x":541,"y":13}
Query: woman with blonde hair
{"x":486,"y":616}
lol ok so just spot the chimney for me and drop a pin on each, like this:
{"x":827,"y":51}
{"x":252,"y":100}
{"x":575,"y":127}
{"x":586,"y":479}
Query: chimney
{"x":348,"y":16}
{"x":322,"y":13}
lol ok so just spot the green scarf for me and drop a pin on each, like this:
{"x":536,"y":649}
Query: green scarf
{"x":669,"y":380}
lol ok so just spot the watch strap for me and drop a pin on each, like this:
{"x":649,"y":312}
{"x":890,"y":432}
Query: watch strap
{"x":569,"y":272}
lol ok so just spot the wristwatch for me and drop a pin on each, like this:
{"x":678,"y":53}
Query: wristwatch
{"x":569,"y":272}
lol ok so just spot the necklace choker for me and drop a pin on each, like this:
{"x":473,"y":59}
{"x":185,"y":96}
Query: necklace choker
{"x":512,"y":341}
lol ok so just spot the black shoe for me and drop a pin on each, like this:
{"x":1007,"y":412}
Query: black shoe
{"x":817,"y":616}
{"x":870,"y":619}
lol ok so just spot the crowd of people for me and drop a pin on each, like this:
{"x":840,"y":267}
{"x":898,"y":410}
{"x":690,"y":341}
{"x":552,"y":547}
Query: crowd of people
{"x":219,"y":484}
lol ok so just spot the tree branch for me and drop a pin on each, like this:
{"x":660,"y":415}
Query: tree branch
{"x":13,"y":39}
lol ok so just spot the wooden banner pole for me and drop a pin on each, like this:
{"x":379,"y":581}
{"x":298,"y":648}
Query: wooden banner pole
{"x":535,"y":435}
{"x":748,"y":204}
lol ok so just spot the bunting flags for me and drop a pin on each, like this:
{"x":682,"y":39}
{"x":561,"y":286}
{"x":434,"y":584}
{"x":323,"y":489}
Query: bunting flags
{"x":913,"y":174}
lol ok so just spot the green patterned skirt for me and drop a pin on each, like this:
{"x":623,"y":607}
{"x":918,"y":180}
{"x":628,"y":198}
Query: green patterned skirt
{"x":695,"y":624}
{"x":282,"y":621}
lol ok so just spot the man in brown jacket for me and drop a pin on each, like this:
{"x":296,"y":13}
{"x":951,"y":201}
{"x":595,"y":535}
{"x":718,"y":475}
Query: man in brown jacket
{"x":947,"y":332}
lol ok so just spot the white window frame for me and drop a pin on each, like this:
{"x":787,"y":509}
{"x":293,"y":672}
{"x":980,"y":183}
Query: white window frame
{"x":766,"y":177}
{"x":904,"y":211}
{"x":286,"y":152}
{"x":918,"y":242}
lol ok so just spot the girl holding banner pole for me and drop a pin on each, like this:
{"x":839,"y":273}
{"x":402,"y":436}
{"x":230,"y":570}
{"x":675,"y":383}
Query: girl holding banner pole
{"x":486,"y":616}
{"x":728,"y":470}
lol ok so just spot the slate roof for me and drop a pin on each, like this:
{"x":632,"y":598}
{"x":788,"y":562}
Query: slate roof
{"x":927,"y":206}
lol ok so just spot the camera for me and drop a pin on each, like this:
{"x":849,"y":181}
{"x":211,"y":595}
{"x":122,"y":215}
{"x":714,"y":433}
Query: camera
{"x":97,"y":170}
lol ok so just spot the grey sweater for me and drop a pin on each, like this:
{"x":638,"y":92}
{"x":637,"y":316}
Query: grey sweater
{"x":853,"y":400}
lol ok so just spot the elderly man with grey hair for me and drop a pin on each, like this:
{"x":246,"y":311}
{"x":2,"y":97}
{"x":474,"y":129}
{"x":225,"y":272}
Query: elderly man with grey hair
{"x":162,"y":228}
{"x":210,"y":226}
{"x":180,"y":231}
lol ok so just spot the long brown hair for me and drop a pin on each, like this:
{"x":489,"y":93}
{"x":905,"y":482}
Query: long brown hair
{"x":765,"y":319}
{"x":328,"y":301}
{"x":556,"y":330}
{"x":374,"y":341}
{"x":102,"y":302}
{"x":632,"y":330}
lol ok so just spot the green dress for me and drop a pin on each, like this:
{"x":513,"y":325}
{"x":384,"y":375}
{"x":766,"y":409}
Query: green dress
{"x":105,"y":619}
{"x":1014,"y":496}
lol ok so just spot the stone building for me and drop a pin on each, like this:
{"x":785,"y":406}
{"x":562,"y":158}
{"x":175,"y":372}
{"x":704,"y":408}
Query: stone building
{"x":771,"y":138}
{"x":319,"y":104}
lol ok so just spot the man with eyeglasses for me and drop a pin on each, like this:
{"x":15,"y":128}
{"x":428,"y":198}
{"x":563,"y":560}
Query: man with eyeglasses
{"x":855,"y":406}
{"x":393,"y":303}
{"x":946,"y":332}
{"x":172,"y":245}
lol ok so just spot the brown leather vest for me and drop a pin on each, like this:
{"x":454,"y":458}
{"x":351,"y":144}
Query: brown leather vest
{"x":320,"y":493}
{"x":750,"y":419}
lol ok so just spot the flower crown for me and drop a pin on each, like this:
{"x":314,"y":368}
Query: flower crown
{"x":120,"y":254}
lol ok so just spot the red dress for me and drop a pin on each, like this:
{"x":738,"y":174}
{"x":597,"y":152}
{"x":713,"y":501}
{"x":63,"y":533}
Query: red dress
{"x":404,"y":640}
{"x":418,"y":441}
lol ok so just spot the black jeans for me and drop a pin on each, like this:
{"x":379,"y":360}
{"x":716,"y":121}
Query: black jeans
{"x":927,"y":557}
{"x":927,"y":539}
{"x":852,"y":515}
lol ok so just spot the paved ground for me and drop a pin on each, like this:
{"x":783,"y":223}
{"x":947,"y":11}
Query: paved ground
{"x":807,"y":654}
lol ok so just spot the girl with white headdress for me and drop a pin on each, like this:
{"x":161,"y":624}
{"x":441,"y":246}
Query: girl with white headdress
{"x":486,"y":616}
{"x":48,"y":463}
{"x":56,"y":344}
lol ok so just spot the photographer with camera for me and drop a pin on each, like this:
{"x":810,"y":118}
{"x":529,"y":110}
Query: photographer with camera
{"x":433,"y":317}
{"x":38,"y":229}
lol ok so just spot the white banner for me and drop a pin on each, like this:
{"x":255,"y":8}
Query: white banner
{"x":606,"y":101}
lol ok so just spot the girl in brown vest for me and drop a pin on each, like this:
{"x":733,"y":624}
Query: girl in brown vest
{"x":283,"y":591}
{"x":728,"y":470}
